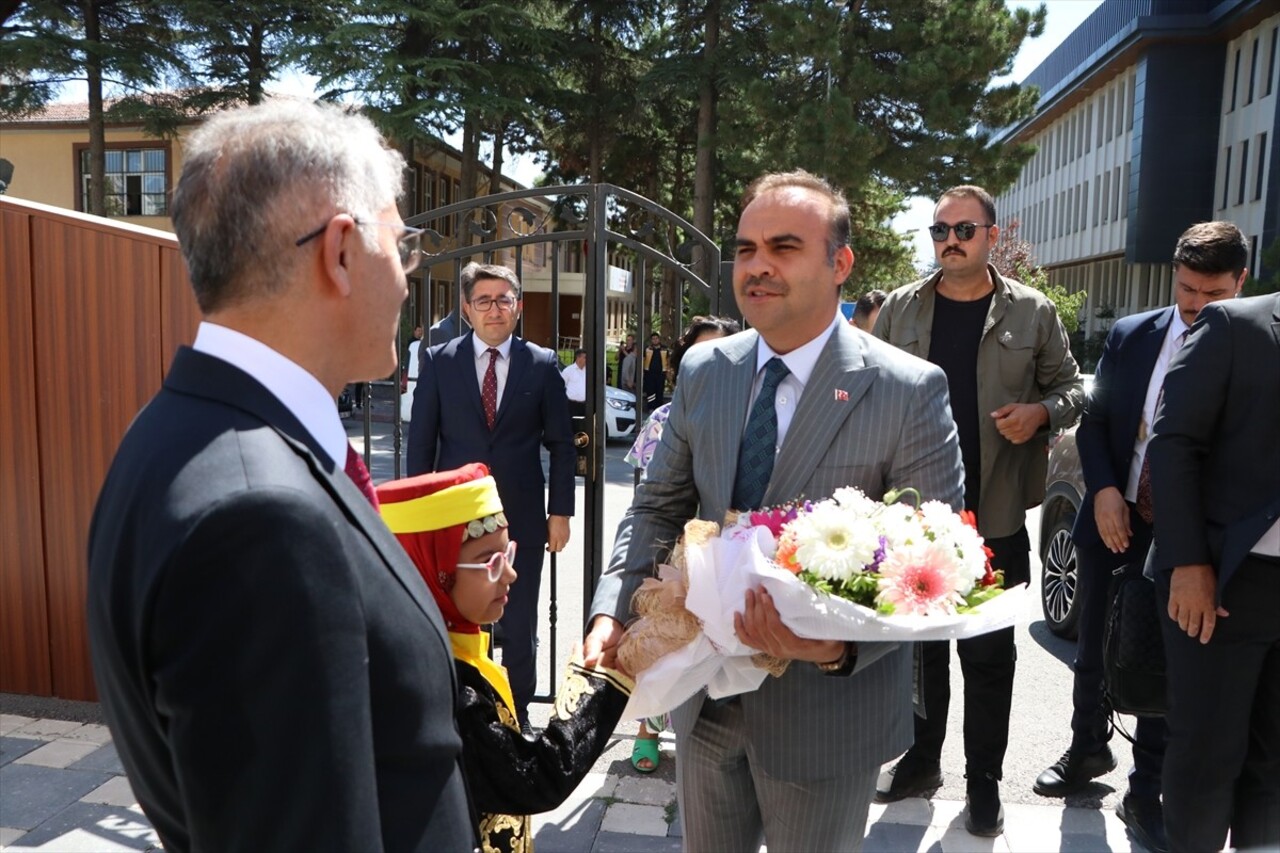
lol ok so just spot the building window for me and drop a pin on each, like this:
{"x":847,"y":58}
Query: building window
{"x":1244,"y":171}
{"x":1097,"y":199}
{"x":1109,"y":108}
{"x":1106,"y":193}
{"x":1235,"y":80}
{"x":1133,"y":97}
{"x":1226,"y":178}
{"x":1253,"y":69}
{"x":1088,"y":128}
{"x":1271,"y":64}
{"x":1099,"y":104}
{"x":136,"y":181}
{"x":1261,"y":157}
{"x":1124,"y":191}
{"x":1082,"y":220}
{"x":1253,"y":253}
{"x":1115,"y":191}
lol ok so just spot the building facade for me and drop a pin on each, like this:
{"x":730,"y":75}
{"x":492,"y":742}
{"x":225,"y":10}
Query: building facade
{"x":1153,"y":115}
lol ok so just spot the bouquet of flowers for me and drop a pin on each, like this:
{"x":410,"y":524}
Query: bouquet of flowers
{"x":845,"y":568}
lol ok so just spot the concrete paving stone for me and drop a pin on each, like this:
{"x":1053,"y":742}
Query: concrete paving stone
{"x":90,"y":828}
{"x":104,"y":758}
{"x":957,"y":839}
{"x":13,"y":722}
{"x":113,"y":792}
{"x":595,"y":785}
{"x":647,"y":792}
{"x":8,"y":835}
{"x":914,"y":811}
{"x":884,"y":837}
{"x":33,"y":794}
{"x":571,"y":828}
{"x":58,"y":753}
{"x":47,"y":729}
{"x":92,"y":732}
{"x":15,"y":747}
{"x":946,"y":812}
{"x":635,"y":819}
{"x":616,"y":842}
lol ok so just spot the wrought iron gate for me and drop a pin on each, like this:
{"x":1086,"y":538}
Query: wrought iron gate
{"x":592,"y":230}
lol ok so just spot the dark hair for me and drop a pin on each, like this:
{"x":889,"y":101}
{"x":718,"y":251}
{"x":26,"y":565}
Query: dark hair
{"x":1212,"y":248}
{"x":579,"y":351}
{"x":698,"y":327}
{"x":474,"y":272}
{"x":869,"y":301}
{"x":800,"y":179}
{"x":978,"y":194}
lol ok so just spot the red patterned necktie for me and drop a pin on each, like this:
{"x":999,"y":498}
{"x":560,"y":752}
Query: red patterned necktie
{"x":489,"y":390}
{"x":1142,"y":501}
{"x":359,"y":475}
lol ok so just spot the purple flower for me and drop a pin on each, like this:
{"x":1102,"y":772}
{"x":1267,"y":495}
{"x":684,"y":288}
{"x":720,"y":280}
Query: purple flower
{"x":874,"y":565}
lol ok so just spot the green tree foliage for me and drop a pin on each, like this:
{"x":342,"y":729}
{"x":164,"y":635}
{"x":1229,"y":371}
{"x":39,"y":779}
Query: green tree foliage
{"x":1269,"y":283}
{"x":1015,"y":257}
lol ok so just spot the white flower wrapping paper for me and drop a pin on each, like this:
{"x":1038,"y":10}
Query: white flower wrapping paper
{"x":724,"y":568}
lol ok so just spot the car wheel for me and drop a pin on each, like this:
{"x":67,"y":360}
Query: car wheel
{"x":1058,"y":580}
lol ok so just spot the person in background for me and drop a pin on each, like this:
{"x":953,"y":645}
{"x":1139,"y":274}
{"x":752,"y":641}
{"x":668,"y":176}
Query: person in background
{"x":575,"y":383}
{"x":1112,"y":531}
{"x":1215,"y":488}
{"x":273,"y":672}
{"x":867,"y":309}
{"x":627,"y":367}
{"x":1012,"y":382}
{"x":489,"y":396}
{"x":453,"y":527}
{"x":644,"y":752}
{"x":655,"y":373}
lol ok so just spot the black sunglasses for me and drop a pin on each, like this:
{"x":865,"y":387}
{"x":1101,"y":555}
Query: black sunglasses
{"x":964,"y":230}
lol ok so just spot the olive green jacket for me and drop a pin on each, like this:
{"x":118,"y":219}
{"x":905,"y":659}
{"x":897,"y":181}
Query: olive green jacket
{"x":1023,"y":358}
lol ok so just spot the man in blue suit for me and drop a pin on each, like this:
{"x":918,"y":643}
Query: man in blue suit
{"x":490,"y":397}
{"x":1111,"y":533}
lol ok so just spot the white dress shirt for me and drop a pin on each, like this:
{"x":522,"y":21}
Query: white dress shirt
{"x":800,"y":361}
{"x":500,"y":367}
{"x":1174,"y":337}
{"x":299,"y":391}
{"x":575,"y":383}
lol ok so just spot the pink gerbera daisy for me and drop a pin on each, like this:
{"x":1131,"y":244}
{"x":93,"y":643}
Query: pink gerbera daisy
{"x":920,"y":580}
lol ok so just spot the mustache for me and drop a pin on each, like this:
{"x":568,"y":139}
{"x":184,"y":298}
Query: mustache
{"x":772,"y":284}
{"x":954,"y":250}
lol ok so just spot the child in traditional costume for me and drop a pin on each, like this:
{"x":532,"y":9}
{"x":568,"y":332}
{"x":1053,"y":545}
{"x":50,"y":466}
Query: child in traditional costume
{"x":453,"y":526}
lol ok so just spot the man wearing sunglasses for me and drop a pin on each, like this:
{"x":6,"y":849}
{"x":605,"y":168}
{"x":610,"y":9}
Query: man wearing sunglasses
{"x":489,"y":396}
{"x":1012,"y":382}
{"x":273,"y":670}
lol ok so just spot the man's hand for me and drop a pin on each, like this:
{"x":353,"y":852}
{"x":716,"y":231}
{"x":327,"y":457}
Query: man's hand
{"x":557,"y":533}
{"x":1191,"y":593}
{"x":601,"y":643}
{"x":1018,"y":422}
{"x":760,"y":627}
{"x":1111,"y":513}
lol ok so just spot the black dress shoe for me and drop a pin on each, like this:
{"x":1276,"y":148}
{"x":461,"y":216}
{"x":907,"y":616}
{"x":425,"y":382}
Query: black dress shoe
{"x":1145,"y":820}
{"x":909,"y":778}
{"x":1073,"y":772}
{"x":986,"y":814}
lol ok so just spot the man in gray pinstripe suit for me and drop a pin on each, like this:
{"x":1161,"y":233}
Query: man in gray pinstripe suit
{"x":795,"y":762}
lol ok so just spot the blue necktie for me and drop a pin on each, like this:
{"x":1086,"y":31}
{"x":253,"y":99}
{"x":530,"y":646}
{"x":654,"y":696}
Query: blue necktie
{"x":760,"y":441}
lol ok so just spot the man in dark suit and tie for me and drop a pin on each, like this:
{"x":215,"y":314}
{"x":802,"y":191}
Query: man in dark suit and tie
{"x":799,"y":405}
{"x":1215,"y":480}
{"x":1113,"y":530}
{"x":273,"y":670}
{"x":491,"y":397}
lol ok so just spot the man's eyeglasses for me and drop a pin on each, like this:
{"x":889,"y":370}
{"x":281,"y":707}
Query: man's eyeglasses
{"x":409,"y":243}
{"x":484,"y":303}
{"x":964,"y":230}
{"x":497,"y":564}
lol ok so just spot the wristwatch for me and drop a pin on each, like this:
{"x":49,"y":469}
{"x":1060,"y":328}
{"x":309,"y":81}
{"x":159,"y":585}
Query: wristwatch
{"x":843,"y":664}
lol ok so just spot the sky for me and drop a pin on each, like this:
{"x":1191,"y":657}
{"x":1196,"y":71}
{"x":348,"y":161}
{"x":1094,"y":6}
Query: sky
{"x":1061,"y":18}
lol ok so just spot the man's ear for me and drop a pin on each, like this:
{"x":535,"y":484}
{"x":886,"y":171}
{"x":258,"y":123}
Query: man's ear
{"x":843,"y":263}
{"x":337,"y":247}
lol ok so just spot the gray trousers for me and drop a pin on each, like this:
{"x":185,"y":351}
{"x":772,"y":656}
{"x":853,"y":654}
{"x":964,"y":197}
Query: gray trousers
{"x":729,"y":804}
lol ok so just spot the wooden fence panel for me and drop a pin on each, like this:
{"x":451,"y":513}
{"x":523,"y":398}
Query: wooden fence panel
{"x":24,"y":624}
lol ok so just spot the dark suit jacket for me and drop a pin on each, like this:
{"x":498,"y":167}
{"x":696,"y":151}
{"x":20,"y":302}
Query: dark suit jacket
{"x":1113,"y":410}
{"x":1215,"y":458}
{"x":273,"y":669}
{"x":448,"y":430}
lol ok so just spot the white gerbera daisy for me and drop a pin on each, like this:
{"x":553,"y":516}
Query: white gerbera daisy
{"x":833,"y":543}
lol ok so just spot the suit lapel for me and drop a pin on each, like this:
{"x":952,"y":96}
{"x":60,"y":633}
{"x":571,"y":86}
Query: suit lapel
{"x":733,"y":377}
{"x":1139,"y":368}
{"x":464,"y":358}
{"x":521,"y":362}
{"x":839,"y":381}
